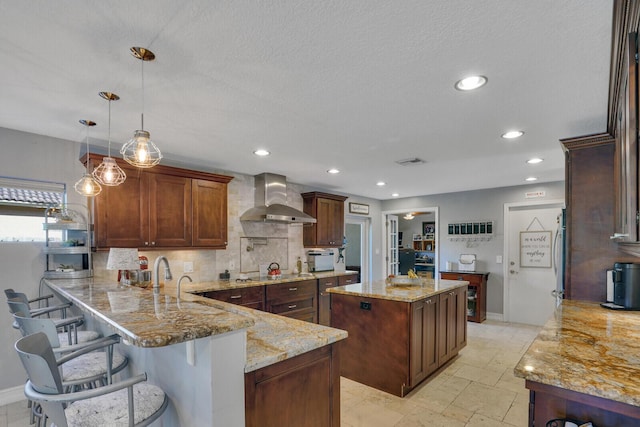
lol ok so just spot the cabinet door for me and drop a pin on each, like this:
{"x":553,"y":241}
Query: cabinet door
{"x":330,"y":222}
{"x":447,"y":326}
{"x":461,"y":318}
{"x":209,"y":214}
{"x":169,"y":211}
{"x":324,"y":299}
{"x":424,"y":347}
{"x":121,"y":213}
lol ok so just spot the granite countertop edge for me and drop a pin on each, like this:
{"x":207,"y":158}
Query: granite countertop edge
{"x":380,"y":289}
{"x":587,"y":349}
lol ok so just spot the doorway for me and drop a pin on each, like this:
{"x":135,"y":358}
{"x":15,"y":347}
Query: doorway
{"x":392,"y":242}
{"x":528,"y":271}
{"x":358,"y":251}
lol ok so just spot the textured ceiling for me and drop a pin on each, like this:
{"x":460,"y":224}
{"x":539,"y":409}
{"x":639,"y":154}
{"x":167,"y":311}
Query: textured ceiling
{"x":354,"y":84}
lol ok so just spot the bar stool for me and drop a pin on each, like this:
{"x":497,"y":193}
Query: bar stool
{"x":69,"y":325}
{"x":129,"y":402}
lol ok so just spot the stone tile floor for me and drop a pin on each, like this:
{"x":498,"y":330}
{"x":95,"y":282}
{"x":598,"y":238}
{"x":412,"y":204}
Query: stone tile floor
{"x":477,"y":389}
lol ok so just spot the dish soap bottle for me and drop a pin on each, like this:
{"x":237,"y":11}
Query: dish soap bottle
{"x":299,"y":265}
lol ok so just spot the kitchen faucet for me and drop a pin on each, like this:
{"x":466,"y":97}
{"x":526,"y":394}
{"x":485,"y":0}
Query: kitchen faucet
{"x":156,"y":271}
{"x":184,"y":276}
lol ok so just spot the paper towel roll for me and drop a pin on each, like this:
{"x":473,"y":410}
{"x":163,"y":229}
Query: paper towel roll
{"x":449,"y":266}
{"x":609,"y":285}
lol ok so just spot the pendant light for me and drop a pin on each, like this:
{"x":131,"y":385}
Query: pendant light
{"x":87,"y":185}
{"x":108,"y":172}
{"x":140,"y":151}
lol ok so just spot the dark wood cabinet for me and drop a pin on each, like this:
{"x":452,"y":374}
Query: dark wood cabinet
{"x":209,"y":199}
{"x":347,"y":279}
{"x":424,"y":333}
{"x":476,"y":295}
{"x":403,"y":342}
{"x":301,"y":391}
{"x":162,"y":207}
{"x":324,"y":299}
{"x":252,"y":297}
{"x":298,"y":300}
{"x":328,"y":210}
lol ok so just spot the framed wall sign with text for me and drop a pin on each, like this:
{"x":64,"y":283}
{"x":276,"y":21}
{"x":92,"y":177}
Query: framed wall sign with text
{"x":535,"y":249}
{"x":358,"y":208}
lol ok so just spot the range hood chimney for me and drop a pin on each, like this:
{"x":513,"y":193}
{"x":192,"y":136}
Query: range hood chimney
{"x":271,"y":202}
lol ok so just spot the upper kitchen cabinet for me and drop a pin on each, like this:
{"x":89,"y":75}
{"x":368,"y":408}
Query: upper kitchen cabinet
{"x":162,"y":207}
{"x":328,"y":210}
{"x":626,"y":144}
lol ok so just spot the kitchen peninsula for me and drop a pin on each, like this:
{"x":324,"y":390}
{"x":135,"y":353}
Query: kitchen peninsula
{"x":209,"y":356}
{"x":584,"y":365}
{"x":403,"y":334}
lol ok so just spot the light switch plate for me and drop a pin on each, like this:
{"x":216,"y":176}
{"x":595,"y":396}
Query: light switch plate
{"x":188,"y":267}
{"x":498,"y":259}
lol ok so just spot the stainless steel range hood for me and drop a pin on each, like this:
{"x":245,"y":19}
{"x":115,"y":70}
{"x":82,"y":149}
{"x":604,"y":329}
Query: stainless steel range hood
{"x":271,"y":202}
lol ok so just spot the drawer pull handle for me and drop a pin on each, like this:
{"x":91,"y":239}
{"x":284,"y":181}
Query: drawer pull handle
{"x":293,"y":289}
{"x":235,"y":296}
{"x":292,"y":306}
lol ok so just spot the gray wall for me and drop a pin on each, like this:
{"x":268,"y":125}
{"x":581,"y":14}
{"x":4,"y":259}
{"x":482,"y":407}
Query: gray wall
{"x":477,"y":205}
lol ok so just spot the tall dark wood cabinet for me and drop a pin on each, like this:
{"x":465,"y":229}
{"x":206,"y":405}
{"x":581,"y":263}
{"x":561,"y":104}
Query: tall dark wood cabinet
{"x":328,"y":210}
{"x":476,"y":295}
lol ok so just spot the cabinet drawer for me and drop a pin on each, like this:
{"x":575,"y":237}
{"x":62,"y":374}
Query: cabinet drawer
{"x":326,"y":283}
{"x":291,"y":291}
{"x":291,"y":306}
{"x":347,"y":280}
{"x":475,"y":279}
{"x":240,"y":296}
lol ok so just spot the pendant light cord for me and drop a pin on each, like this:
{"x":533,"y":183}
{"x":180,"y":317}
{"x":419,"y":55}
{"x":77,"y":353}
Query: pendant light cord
{"x":109,"y":133}
{"x":142,"y":115}
{"x":87,"y":138}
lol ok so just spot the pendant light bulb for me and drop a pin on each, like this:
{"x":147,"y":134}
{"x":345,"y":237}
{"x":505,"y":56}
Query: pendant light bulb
{"x":87,"y":185}
{"x":108,"y":172}
{"x":140,"y":151}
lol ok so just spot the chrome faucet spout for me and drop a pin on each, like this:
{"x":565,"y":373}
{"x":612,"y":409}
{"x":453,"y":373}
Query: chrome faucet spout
{"x":184,"y":276}
{"x":156,"y":272}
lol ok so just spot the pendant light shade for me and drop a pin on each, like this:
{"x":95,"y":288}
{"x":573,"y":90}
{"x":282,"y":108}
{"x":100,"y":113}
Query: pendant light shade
{"x":108,"y":172}
{"x":87,"y":185}
{"x":140,"y":151}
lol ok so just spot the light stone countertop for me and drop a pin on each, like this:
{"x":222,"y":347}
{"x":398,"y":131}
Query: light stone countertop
{"x":146,"y":321}
{"x":381,"y":290}
{"x":588,"y":349}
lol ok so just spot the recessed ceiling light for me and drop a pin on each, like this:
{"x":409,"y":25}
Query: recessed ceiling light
{"x":261,"y":153}
{"x":512,"y":134}
{"x":333,"y":171}
{"x":535,"y":161}
{"x":471,"y":83}
{"x":395,"y":195}
{"x":381,"y":183}
{"x":531,"y":178}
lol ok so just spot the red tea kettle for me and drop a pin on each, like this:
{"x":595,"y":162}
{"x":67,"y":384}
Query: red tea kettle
{"x":274,"y":269}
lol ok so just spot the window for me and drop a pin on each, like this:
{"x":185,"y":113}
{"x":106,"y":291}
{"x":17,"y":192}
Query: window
{"x":22,"y":206}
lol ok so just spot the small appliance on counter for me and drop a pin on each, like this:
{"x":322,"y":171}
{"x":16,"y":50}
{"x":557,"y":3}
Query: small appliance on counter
{"x":467,"y":262}
{"x":319,"y":260}
{"x":626,"y":286}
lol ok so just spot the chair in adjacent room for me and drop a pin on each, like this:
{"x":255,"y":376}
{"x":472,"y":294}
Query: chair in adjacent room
{"x":127,"y":402}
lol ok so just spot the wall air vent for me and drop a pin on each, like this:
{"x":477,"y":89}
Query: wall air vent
{"x":410,"y":162}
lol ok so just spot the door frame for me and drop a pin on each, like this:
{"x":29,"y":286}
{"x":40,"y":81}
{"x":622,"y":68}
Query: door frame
{"x":365,"y":244}
{"x":553,"y":203}
{"x":385,"y":244}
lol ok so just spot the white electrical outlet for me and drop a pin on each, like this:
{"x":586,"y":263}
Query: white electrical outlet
{"x":188,"y":267}
{"x":498,"y":259}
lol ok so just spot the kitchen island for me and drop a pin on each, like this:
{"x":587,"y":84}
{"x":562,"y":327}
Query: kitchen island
{"x":209,"y":356}
{"x":585,"y":365}
{"x":399,"y":335}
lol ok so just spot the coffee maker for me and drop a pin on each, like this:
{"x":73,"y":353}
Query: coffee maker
{"x":626,"y":285}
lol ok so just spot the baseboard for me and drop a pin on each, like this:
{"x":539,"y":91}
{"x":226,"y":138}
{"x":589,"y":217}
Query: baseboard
{"x":12,"y":395}
{"x":498,"y":317}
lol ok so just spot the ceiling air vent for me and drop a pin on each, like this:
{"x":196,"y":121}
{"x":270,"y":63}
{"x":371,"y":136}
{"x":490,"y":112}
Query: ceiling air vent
{"x":410,"y":162}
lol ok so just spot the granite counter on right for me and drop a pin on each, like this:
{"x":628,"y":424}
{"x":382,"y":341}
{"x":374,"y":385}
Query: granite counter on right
{"x":585,"y":365}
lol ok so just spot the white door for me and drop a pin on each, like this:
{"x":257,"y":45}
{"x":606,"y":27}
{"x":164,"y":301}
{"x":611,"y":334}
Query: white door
{"x":392,"y":244}
{"x":530,"y":276}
